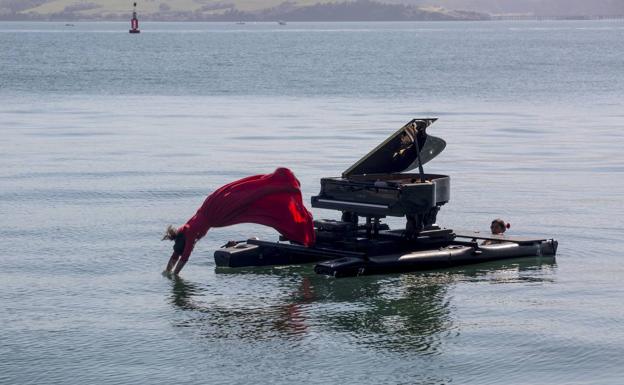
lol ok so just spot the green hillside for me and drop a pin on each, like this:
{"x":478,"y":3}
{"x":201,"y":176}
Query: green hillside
{"x":231,"y":9}
{"x":227,"y":10}
{"x":145,"y":7}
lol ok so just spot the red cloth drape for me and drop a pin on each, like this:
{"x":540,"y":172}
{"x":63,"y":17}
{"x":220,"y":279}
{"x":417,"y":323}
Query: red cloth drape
{"x":272,"y":200}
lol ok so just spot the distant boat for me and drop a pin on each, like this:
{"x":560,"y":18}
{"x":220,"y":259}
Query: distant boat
{"x":281,"y":22}
{"x":240,"y":22}
{"x":134,"y":23}
{"x":69,"y":25}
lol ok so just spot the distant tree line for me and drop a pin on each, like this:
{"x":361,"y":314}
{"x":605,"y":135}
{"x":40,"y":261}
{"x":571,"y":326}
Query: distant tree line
{"x":359,"y":10}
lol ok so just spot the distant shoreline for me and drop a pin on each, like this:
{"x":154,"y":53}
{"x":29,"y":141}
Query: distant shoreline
{"x":359,"y":10}
{"x":546,"y":18}
{"x":148,"y":19}
{"x":305,"y":10}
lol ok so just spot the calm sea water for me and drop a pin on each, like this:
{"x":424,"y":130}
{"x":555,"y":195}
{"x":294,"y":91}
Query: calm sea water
{"x":105,"y":138}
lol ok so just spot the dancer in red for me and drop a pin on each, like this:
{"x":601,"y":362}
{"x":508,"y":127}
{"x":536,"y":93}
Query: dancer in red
{"x":272,"y":200}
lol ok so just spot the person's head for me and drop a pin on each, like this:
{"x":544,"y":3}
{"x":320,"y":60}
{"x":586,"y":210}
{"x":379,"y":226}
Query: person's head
{"x":173,"y":234}
{"x":499,"y":226}
{"x":170,"y":234}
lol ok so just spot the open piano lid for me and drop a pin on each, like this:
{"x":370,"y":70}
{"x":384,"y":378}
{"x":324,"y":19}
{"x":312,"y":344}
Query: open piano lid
{"x":398,"y":152}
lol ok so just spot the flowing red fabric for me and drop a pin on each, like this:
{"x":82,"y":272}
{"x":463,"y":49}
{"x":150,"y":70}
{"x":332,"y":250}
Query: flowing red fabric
{"x":272,"y":200}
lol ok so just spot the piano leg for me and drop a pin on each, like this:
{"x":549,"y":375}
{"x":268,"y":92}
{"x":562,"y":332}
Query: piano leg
{"x":414,"y":225}
{"x":430,"y":217}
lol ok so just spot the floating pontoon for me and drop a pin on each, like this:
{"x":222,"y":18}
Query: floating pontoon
{"x":376,"y":187}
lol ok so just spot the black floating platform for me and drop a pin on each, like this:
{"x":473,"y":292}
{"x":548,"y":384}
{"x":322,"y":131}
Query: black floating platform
{"x":497,"y":238}
{"x":338,"y":262}
{"x":450,"y":256}
{"x":262,"y":253}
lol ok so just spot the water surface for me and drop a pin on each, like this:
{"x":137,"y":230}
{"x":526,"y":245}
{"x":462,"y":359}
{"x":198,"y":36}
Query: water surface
{"x":106,"y":138}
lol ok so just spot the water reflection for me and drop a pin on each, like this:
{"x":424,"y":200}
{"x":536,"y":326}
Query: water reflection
{"x":521,"y":270}
{"x":406,"y":312}
{"x":398,"y":313}
{"x":240,"y":316}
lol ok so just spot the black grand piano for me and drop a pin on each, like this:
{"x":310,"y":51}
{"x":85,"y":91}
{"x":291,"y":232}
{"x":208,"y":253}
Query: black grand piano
{"x":376,"y":187}
{"x":379,"y":185}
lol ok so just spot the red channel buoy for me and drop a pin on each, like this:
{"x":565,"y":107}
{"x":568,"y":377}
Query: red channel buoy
{"x":134,"y":23}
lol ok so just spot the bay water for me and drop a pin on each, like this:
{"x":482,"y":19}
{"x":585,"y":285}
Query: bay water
{"x":106,"y":138}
